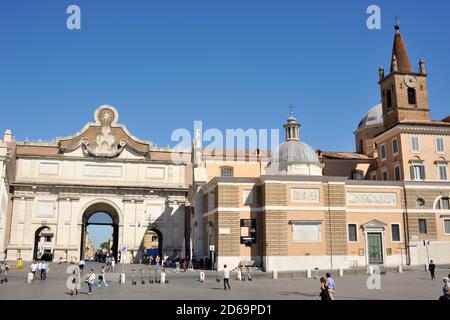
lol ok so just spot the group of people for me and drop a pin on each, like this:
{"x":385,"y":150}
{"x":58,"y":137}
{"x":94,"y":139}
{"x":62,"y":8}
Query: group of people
{"x":445,"y":280}
{"x":327,"y":288}
{"x":40,"y":269}
{"x":89,"y":279}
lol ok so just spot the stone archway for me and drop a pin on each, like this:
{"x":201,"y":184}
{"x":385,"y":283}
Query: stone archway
{"x":43,"y":244}
{"x":112,"y":212}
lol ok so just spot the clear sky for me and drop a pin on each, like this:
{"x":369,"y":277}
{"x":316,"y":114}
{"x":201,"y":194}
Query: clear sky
{"x":232,"y":64}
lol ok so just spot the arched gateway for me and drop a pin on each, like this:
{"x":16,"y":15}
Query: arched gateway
{"x":101,"y":175}
{"x":88,"y":215}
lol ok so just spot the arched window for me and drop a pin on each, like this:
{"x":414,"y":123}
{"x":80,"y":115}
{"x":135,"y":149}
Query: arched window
{"x":443,"y":204}
{"x":389,"y":99}
{"x":412,"y":96}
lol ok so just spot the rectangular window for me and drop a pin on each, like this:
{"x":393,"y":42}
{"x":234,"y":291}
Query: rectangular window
{"x":415,"y":145}
{"x":383,"y":152}
{"x":306,"y":231}
{"x":447,"y":226}
{"x":417,"y":170}
{"x":423,"y":226}
{"x":444,"y":204}
{"x":398,"y":174}
{"x":440,"y":149}
{"x":352,"y":232}
{"x":443,"y":171}
{"x":226,"y":172}
{"x":395,"y":232}
{"x":385,"y":175}
{"x":248,"y":197}
{"x":373,"y":176}
{"x":395,"y":146}
{"x":357,"y":175}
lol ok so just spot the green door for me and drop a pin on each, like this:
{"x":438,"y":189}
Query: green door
{"x":375,"y":248}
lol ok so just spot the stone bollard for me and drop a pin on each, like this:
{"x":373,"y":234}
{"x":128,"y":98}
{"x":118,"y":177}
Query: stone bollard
{"x":370,"y":270}
{"x":122,"y":278}
{"x":399,"y":269}
{"x":239,"y":275}
{"x":163,"y":277}
{"x":308,"y":274}
{"x":341,"y":272}
{"x":202,"y":276}
{"x":30,"y":277}
{"x":426,"y":267}
{"x":275,"y":275}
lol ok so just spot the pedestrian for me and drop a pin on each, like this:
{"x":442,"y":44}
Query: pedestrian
{"x":76,"y":283}
{"x":38,"y":269}
{"x":81,"y":265}
{"x":90,"y":279}
{"x":445,"y":290}
{"x":324,"y":292}
{"x":331,"y":286}
{"x":226,"y":278}
{"x":102,"y":278}
{"x":431,"y":268}
{"x":158,"y":259}
{"x":33,"y":267}
{"x":43,"y":270}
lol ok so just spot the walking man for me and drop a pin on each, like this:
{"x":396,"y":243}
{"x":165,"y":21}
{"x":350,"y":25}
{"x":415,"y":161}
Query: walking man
{"x":331,"y":286}
{"x":431,"y":268}
{"x":226,"y":278}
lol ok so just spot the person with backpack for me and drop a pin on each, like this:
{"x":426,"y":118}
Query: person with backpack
{"x":324,"y":290}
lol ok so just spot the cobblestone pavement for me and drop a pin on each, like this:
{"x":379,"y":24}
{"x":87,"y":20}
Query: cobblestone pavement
{"x":410,"y":285}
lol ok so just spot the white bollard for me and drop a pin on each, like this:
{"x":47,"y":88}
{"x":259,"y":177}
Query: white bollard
{"x":426,"y":267}
{"x":341,"y":272}
{"x":308,"y":274}
{"x":163,"y":277}
{"x":30,"y":277}
{"x":239,"y":275}
{"x":122,"y":278}
{"x":202,"y":276}
{"x":275,"y":274}
{"x":399,"y":269}
{"x":370,"y":270}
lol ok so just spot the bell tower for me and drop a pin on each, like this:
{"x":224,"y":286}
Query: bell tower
{"x":404,"y":92}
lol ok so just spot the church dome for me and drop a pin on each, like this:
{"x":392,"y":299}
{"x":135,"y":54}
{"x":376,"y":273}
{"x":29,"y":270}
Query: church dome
{"x":293,"y":156}
{"x":295,"y":151}
{"x":374,"y":117}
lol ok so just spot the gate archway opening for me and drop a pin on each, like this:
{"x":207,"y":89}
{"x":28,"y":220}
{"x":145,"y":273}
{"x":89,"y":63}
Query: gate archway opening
{"x":153,"y":244}
{"x":103,"y":219}
{"x":43,"y":244}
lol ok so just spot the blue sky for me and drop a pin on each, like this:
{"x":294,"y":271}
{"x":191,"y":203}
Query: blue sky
{"x":231,"y":64}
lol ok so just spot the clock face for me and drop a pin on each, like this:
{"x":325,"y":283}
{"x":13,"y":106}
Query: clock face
{"x":410,"y":81}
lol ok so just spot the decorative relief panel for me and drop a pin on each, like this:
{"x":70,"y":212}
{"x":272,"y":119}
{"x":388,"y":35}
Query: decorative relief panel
{"x":102,"y":171}
{"x":47,"y":168}
{"x":45,"y":209}
{"x":372,"y":198}
{"x":305,"y":195}
{"x":156,"y":173}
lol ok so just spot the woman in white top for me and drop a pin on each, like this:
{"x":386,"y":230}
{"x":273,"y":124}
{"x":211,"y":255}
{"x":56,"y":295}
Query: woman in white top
{"x":90,"y":280}
{"x":102,"y":278}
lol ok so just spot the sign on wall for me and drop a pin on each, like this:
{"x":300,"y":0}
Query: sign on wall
{"x":248,"y":231}
{"x":305,"y":195}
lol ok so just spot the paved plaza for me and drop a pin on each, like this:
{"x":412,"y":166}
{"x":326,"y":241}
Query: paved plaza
{"x":412,"y":284}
